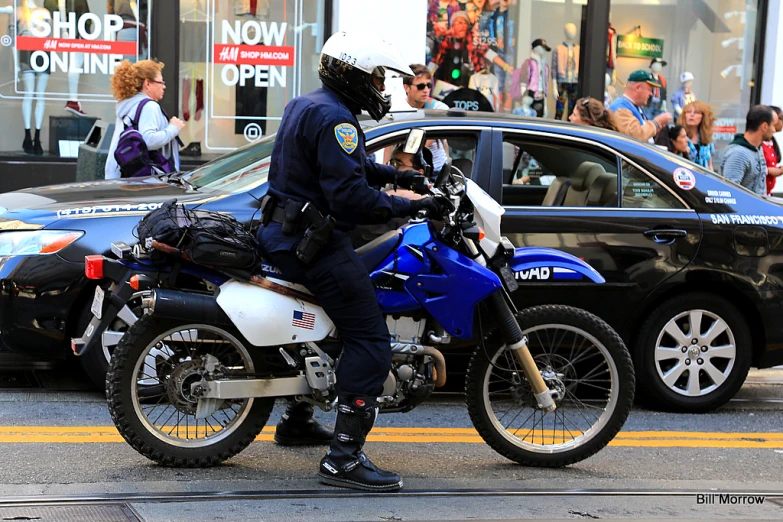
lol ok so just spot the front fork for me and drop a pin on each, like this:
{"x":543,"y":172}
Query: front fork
{"x":517,"y":343}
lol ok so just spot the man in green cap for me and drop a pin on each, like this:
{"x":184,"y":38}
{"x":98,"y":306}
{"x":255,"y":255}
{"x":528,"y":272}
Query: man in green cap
{"x":627,"y":109}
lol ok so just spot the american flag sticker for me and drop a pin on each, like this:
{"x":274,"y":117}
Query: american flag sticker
{"x":304,"y":320}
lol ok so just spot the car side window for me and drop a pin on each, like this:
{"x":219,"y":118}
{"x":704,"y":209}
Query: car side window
{"x":460,"y":148}
{"x":642,"y":191}
{"x":556,"y":173}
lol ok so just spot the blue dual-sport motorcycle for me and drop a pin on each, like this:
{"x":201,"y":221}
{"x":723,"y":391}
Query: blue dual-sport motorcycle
{"x":193,"y":381}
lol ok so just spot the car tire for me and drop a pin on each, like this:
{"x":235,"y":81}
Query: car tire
{"x":667,"y":353}
{"x":95,"y":363}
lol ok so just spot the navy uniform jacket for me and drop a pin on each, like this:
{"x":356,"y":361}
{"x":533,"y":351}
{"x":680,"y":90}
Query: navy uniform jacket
{"x":319,"y":156}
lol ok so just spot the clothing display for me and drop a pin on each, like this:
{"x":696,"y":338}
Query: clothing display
{"x":186,"y":88}
{"x":682,"y":97}
{"x":655,"y":105}
{"x":199,"y":99}
{"x":611,"y":50}
{"x":523,"y":110}
{"x":251,"y":7}
{"x":534,"y":75}
{"x":565,"y":63}
{"x":538,"y":105}
{"x":568,"y":93}
{"x":488,"y":85}
{"x":194,"y":39}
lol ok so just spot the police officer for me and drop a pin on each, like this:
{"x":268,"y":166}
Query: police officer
{"x":319,"y":163}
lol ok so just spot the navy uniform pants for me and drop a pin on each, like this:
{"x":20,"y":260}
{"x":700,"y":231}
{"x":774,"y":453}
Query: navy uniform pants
{"x":341,"y":283}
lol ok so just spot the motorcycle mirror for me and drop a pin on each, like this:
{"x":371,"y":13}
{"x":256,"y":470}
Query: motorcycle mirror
{"x":415,"y":141}
{"x":444,"y":173}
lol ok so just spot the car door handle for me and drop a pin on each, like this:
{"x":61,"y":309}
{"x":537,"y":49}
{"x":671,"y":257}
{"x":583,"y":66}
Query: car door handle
{"x":665,"y":235}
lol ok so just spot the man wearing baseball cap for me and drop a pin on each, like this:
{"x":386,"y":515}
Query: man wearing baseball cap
{"x":628,"y":115}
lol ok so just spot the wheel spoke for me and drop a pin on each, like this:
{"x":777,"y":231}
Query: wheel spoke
{"x":694,"y":387}
{"x":717,"y":328}
{"x":674,"y":330}
{"x":674,"y":374}
{"x":717,"y":376}
{"x":726,"y":352}
{"x":695,"y":318}
{"x":667,"y":354}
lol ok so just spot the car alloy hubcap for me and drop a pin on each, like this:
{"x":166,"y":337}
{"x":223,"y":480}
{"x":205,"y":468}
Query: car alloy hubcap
{"x":695,"y":353}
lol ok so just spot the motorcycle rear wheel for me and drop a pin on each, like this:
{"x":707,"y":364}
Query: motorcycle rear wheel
{"x":147,"y":389}
{"x":578,"y":354}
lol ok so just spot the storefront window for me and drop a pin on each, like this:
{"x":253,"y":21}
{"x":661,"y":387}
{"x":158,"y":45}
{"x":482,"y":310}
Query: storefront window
{"x":56,"y":62}
{"x":704,"y":52}
{"x":506,"y":55}
{"x":241,"y":62}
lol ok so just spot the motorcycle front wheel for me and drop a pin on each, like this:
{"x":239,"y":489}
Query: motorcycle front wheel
{"x":148,"y":390}
{"x":581,"y":357}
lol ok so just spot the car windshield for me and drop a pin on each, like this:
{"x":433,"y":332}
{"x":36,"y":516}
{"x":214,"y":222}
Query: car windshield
{"x":243,"y":169}
{"x":239,"y":171}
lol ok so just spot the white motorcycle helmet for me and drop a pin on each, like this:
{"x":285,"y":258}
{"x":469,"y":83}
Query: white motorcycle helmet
{"x":348,"y":63}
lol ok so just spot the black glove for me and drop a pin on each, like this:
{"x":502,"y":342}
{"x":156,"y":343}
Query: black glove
{"x":426,"y":207}
{"x":420,"y":184}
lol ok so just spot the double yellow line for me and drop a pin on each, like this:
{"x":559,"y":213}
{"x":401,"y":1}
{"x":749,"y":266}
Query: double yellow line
{"x":650,"y":439}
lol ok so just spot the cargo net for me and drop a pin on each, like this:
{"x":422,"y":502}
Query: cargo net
{"x":201,"y":236}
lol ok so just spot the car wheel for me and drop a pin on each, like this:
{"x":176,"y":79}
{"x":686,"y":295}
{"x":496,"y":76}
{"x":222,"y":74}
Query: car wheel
{"x":96,"y":362}
{"x":694,"y":354}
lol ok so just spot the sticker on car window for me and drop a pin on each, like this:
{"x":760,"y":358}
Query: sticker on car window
{"x":720,"y":196}
{"x":684,"y":178}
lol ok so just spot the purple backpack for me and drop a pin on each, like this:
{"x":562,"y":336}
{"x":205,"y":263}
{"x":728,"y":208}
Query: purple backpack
{"x":132,"y":154}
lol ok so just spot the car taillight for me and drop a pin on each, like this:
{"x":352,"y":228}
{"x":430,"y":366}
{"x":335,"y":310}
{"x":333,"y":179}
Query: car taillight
{"x":93,"y":267}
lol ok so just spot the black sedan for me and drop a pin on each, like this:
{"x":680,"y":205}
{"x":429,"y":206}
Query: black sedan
{"x":691,"y":260}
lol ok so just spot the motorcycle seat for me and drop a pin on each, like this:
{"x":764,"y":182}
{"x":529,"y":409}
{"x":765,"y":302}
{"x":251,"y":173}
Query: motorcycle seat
{"x":376,"y":250}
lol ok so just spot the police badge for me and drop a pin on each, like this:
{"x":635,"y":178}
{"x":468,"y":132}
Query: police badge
{"x":347,"y":137}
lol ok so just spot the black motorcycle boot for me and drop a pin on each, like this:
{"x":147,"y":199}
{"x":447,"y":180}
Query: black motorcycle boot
{"x":299,"y":428}
{"x":345,"y":464}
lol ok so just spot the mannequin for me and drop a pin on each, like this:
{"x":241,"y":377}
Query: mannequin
{"x":657,"y":103}
{"x":534,"y":76}
{"x":79,"y":7}
{"x":684,"y":94}
{"x":610,"y":93}
{"x":128,"y":10}
{"x":611,"y":52}
{"x":34,"y":83}
{"x":565,"y":73}
{"x":526,"y":109}
{"x":487,"y":84}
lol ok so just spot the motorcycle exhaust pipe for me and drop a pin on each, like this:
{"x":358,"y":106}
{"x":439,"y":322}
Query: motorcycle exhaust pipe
{"x":185,"y":306}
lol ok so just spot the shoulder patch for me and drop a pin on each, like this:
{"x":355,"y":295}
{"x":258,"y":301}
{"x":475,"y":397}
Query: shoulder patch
{"x":347,"y":137}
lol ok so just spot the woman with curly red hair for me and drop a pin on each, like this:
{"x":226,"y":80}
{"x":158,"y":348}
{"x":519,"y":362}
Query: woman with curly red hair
{"x":132,"y":84}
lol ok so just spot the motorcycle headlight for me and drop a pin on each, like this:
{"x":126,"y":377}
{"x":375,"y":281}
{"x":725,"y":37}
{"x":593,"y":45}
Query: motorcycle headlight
{"x":36,"y":242}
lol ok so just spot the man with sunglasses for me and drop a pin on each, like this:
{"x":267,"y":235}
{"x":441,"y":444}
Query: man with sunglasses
{"x":418,"y":89}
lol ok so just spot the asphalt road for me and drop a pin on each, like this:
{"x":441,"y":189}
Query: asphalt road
{"x":61,"y":447}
